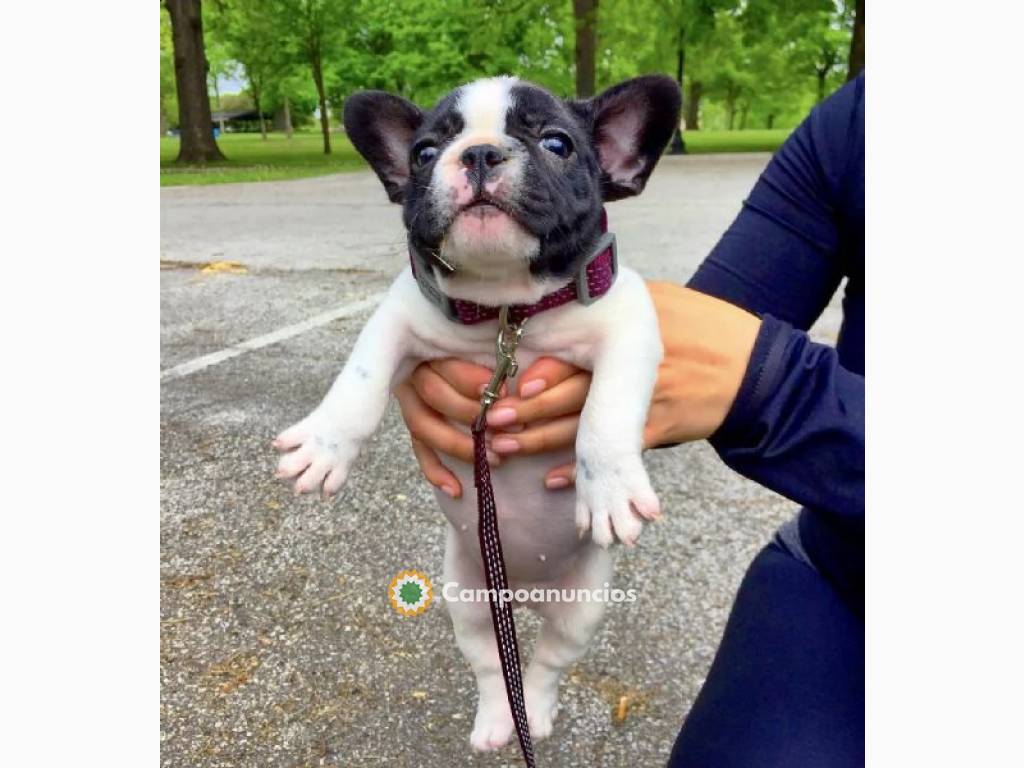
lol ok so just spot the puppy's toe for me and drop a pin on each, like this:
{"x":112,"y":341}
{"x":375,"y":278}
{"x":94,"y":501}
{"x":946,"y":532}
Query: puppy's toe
{"x":293,"y":463}
{"x":582,"y":518}
{"x":601,"y":530}
{"x":292,"y":437}
{"x":644,"y":502}
{"x":312,"y":479}
{"x":628,"y":526}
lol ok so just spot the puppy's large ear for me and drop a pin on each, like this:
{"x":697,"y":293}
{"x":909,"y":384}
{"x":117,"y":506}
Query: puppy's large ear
{"x":631,"y":124}
{"x":381,"y":125}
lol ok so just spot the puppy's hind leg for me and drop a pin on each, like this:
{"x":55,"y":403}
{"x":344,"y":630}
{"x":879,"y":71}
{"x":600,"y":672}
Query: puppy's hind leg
{"x":565,"y":635}
{"x":493,"y":726}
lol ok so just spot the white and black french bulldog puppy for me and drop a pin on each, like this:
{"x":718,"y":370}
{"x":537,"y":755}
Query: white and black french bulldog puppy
{"x":501,"y":186}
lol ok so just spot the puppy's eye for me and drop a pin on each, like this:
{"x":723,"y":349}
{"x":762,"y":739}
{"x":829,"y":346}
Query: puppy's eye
{"x":557,"y":143}
{"x":425,"y":154}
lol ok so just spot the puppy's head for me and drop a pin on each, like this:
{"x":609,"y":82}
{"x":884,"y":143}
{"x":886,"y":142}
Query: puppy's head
{"x":501,"y":176}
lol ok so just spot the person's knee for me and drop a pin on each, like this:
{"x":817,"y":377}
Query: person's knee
{"x":786,"y":687}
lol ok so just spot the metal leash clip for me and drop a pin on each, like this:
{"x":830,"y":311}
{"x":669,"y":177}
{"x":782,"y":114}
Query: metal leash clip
{"x":507,"y":366}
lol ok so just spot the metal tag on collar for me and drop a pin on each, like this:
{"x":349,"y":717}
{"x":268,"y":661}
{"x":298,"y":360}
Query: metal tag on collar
{"x":506,"y":365}
{"x":606,"y":241}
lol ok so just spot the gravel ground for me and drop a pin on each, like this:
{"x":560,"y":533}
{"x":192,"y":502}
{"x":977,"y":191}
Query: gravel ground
{"x":278,"y":647}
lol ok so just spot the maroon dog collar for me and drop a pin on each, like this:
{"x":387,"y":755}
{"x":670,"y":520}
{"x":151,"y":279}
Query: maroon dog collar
{"x":594,"y":279}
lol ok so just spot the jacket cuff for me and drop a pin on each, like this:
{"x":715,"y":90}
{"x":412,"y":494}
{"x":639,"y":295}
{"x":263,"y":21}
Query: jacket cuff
{"x":741,"y":425}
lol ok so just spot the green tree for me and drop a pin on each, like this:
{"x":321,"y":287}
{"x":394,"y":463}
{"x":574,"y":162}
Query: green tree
{"x":855,"y":63}
{"x":727,"y":62}
{"x":168,"y":93}
{"x":421,"y":50}
{"x":312,"y":31}
{"x":218,"y":60}
{"x":662,"y":36}
{"x":585,"y":23}
{"x":246,"y":31}
{"x":741,"y":62}
{"x":813,"y":34}
{"x":692,"y":22}
{"x":291,"y":95}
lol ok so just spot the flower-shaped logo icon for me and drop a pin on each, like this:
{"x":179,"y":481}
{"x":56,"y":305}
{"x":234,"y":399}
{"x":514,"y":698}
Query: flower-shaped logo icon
{"x":410,"y":593}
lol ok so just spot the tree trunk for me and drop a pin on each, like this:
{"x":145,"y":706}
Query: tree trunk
{"x":771,"y":121}
{"x":856,"y":62}
{"x":585,"y":13}
{"x":693,"y":105}
{"x":190,"y":66}
{"x":730,"y":106}
{"x":678,"y":145}
{"x":259,"y":110}
{"x":216,"y":95}
{"x":744,"y":110}
{"x":822,"y":74}
{"x":256,"y":90}
{"x":318,"y":78}
{"x":287,"y":118}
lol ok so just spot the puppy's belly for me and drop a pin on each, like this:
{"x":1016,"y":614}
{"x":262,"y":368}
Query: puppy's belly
{"x":537,"y":526}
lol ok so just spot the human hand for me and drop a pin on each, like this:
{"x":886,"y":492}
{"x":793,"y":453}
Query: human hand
{"x":707,"y":345}
{"x":707,"y":348}
{"x":542,"y":418}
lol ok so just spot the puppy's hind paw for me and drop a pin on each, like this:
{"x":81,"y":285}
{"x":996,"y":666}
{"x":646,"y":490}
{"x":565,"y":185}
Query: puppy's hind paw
{"x":540,"y":713}
{"x":492,"y":730}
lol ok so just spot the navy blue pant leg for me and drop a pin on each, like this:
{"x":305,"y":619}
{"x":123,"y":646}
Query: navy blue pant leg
{"x":786,"y":687}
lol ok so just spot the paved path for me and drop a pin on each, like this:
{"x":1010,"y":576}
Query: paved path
{"x":278,"y":647}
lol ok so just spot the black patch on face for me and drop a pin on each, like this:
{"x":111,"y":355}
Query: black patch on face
{"x":440,"y":126}
{"x":559,"y":198}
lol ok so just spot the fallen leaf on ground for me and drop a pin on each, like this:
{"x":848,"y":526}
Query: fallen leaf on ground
{"x":234,"y":267}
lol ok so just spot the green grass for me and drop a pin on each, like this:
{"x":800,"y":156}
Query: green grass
{"x":708,"y":142}
{"x":249,"y":158}
{"x":252,"y":159}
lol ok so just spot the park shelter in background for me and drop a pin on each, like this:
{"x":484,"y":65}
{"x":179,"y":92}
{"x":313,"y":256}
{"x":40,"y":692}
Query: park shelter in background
{"x":238,"y":120}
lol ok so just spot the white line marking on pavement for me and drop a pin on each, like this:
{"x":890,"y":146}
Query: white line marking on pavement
{"x":199,"y":363}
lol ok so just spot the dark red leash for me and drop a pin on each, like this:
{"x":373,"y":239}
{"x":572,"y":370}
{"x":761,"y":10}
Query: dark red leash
{"x":497,"y":585}
{"x":490,"y":541}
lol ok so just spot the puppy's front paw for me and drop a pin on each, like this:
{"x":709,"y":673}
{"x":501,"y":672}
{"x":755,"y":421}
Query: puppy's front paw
{"x":318,"y":454}
{"x":613,"y":498}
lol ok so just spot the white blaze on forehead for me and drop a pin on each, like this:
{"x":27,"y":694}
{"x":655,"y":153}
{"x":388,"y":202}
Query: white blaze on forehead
{"x":484,"y":105}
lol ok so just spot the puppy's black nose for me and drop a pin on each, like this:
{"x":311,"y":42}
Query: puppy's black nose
{"x":482,"y":157}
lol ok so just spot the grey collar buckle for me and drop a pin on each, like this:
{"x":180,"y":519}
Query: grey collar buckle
{"x":606,"y":241}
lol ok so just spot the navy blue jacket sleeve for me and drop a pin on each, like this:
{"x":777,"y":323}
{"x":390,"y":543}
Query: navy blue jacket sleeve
{"x":797,"y":425}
